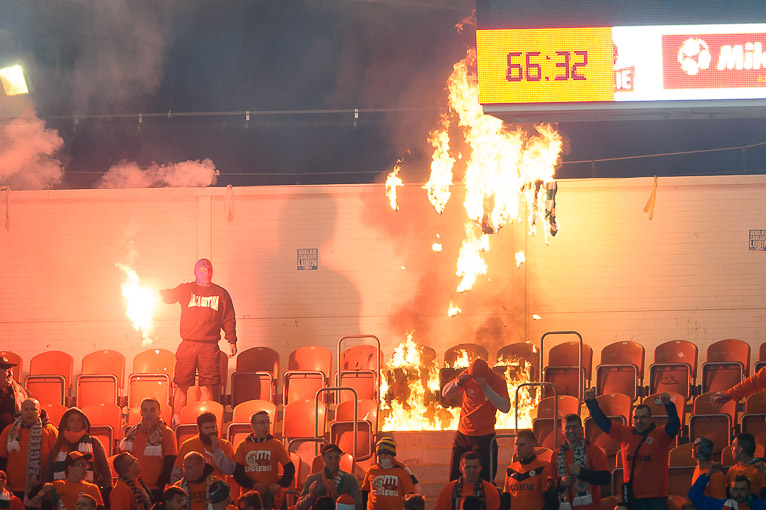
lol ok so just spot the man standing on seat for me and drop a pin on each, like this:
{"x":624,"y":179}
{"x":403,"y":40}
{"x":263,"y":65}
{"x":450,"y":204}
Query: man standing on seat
{"x":206,"y":309}
{"x":644,"y":451}
{"x":484,"y":393}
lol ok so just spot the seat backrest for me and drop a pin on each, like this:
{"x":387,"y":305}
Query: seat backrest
{"x":52,"y":363}
{"x":655,"y":404}
{"x":762,"y":352}
{"x":18,"y":370}
{"x":244,"y":411}
{"x":105,"y":362}
{"x":703,"y":404}
{"x":616,"y":404}
{"x":311,"y":357}
{"x":681,"y":455}
{"x":624,"y":352}
{"x":300,"y":417}
{"x":190,"y":412}
{"x":459,"y":356}
{"x":567,"y":405}
{"x":366,"y":410}
{"x":259,"y":359}
{"x":155,"y":361}
{"x":54,"y":411}
{"x":730,"y":349}
{"x":567,"y":354}
{"x":104,"y":414}
{"x":360,"y":357}
{"x":518,"y":352}
{"x":756,"y":403}
{"x":677,"y":351}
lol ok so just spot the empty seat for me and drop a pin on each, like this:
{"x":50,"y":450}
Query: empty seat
{"x":563,"y":370}
{"x":101,"y":378}
{"x":674,"y":369}
{"x":621,"y":369}
{"x":342,"y":428}
{"x":301,"y":420}
{"x":18,"y":370}
{"x":54,"y":411}
{"x":256,"y":375}
{"x":189,"y":412}
{"x":761,"y":361}
{"x":105,"y":415}
{"x":753,"y":420}
{"x":728,"y":362}
{"x":360,"y":369}
{"x":713,"y":423}
{"x":151,"y":377}
{"x":461,"y":355}
{"x":681,"y":467}
{"x":50,"y":377}
{"x":521,"y":352}
{"x":308,"y":371}
{"x":361,"y":357}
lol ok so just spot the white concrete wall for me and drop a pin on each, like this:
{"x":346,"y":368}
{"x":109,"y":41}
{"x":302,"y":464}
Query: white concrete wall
{"x":611,"y":273}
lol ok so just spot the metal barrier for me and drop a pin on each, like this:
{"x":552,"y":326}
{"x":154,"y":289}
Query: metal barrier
{"x":581,"y":375}
{"x":377,"y":363}
{"x":356,"y":410}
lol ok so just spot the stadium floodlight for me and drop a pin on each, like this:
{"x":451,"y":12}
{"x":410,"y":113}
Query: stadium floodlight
{"x":12,"y":78}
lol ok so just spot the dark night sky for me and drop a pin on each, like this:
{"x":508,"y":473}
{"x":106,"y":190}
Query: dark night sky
{"x":123,"y":57}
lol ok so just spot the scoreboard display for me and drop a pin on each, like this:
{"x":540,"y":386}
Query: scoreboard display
{"x":622,"y":67}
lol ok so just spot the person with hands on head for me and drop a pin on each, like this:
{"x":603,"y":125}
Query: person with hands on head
{"x":581,"y":468}
{"x":484,"y":393}
{"x":739,"y":489}
{"x":206,"y":309}
{"x":258,"y":457}
{"x":330,"y":481}
{"x":644,"y":449}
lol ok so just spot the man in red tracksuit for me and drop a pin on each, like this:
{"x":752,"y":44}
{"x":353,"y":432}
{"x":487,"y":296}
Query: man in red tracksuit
{"x":206,"y":308}
{"x":643,"y":446}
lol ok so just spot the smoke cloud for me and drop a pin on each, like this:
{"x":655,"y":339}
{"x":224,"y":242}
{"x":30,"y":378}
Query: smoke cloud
{"x":27,"y":151}
{"x":186,"y":174}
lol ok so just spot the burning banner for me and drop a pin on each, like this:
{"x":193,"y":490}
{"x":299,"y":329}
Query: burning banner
{"x":139,"y":304}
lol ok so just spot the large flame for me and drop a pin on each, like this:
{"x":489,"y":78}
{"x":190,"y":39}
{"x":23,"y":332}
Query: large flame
{"x":441,"y":168}
{"x":139,"y":304}
{"x":410,"y":389}
{"x":393,"y":181}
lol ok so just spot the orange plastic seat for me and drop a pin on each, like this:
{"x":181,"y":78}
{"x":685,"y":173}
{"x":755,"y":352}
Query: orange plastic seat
{"x":50,"y":377}
{"x":256,"y":375}
{"x":300,"y":417}
{"x":364,"y":382}
{"x":152,"y":376}
{"x":543,"y":426}
{"x":459,"y":356}
{"x":243,"y":411}
{"x":518,"y":353}
{"x":562,"y":369}
{"x":753,"y":420}
{"x":728,"y":362}
{"x":359,"y":369}
{"x":101,"y":378}
{"x":105,"y":435}
{"x":659,"y":415}
{"x":342,"y":429}
{"x":674,"y":369}
{"x":308,"y":371}
{"x":761,"y":361}
{"x":615,"y":406}
{"x":189,"y":412}
{"x":104,"y":415}
{"x":712,"y":423}
{"x":18,"y":370}
{"x":621,"y":369}
{"x":677,"y":502}
{"x":54,"y":411}
{"x":360,"y":357}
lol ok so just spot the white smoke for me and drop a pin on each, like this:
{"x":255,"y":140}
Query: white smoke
{"x":175,"y":175}
{"x":26,"y":154}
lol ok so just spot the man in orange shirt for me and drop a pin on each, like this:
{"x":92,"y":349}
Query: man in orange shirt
{"x":743,"y":450}
{"x":24,"y":448}
{"x":218,"y":452}
{"x":64,"y":493}
{"x":196,"y":482}
{"x":258,"y":457}
{"x":469,"y":484}
{"x":526,"y":479}
{"x":581,"y":468}
{"x":153,"y":443}
{"x":387,"y":482}
{"x":702,"y":452}
{"x":130,"y":492}
{"x":484,"y":393}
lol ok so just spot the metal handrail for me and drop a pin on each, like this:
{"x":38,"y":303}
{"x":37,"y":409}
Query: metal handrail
{"x":356,"y":410}
{"x":542,"y":384}
{"x":377,"y":362}
{"x":581,"y":374}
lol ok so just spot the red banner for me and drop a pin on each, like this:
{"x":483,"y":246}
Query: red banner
{"x":707,"y":61}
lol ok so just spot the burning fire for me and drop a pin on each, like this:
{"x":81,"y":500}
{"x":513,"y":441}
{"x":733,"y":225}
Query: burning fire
{"x":453,"y":309}
{"x":441,"y":168}
{"x":520,"y":258}
{"x":139,"y":304}
{"x":410,"y":388}
{"x":437,"y":246}
{"x":392,"y":182}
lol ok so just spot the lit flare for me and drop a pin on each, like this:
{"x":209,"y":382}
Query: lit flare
{"x":393,"y":181}
{"x":139,"y":303}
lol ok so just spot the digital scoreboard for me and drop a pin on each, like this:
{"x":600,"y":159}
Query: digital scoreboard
{"x":622,"y":68}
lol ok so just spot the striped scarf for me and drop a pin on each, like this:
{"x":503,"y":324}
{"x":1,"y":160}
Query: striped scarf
{"x":141,"y":493}
{"x":59,"y":463}
{"x":34,"y":466}
{"x":185,"y":487}
{"x":153,"y":442}
{"x":581,"y":488}
{"x":5,"y":499}
{"x":478,"y":491}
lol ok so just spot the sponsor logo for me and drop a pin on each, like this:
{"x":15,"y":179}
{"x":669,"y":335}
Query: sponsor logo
{"x":258,"y":461}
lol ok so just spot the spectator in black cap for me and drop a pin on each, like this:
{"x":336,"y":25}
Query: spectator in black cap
{"x":220,"y":495}
{"x":12,"y":394}
{"x":64,"y":493}
{"x":330,"y":481}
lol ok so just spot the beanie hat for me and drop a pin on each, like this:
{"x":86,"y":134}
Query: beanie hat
{"x":219,"y":491}
{"x":386,"y":445}
{"x":345,"y":502}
